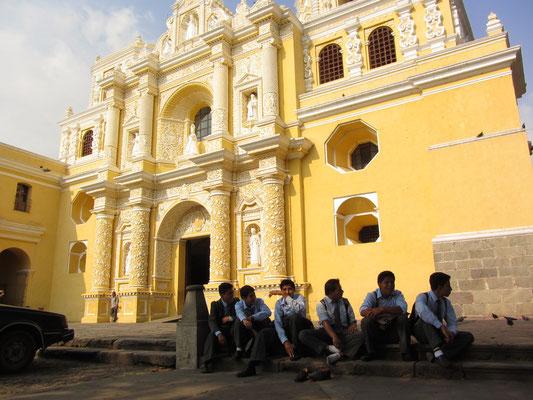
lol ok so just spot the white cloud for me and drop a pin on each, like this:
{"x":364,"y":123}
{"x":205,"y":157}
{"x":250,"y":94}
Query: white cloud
{"x":47,"y":51}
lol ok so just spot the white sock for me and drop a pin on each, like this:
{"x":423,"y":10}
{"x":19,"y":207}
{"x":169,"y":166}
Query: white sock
{"x":438,"y":352}
{"x":333,"y":358}
{"x":239,"y":349}
{"x":333,"y":349}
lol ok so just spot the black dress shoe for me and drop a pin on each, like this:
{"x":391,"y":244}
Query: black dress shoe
{"x":443,"y":362}
{"x":238,"y":354}
{"x":302,"y":376}
{"x":249,"y":371}
{"x":368,"y":357}
{"x":206,"y":368}
{"x":321,"y":375}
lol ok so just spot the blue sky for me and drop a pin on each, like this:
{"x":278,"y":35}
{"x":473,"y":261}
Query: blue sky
{"x":48,"y":47}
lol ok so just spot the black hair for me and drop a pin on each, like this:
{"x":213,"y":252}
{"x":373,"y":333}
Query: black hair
{"x":225,"y":287}
{"x":287,"y":282}
{"x":386,"y":274}
{"x":438,"y":279}
{"x":331,"y":285}
{"x":246,"y":290}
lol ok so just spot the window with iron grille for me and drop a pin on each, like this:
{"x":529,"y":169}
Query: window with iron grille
{"x":87,"y":148}
{"x":202,"y":121}
{"x":363,"y":154}
{"x":330,"y":63}
{"x":22,"y":198}
{"x":381,"y":47}
{"x":369,"y":234}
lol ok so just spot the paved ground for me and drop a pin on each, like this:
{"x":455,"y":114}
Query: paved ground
{"x":485,"y":331}
{"x":182,"y":384}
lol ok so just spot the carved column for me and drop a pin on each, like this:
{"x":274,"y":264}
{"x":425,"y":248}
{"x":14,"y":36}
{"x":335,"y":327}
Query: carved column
{"x":220,"y":236}
{"x":140,"y":236}
{"x":269,"y":70}
{"x":220,"y":97}
{"x":146,"y":123}
{"x":274,"y":228}
{"x":111,"y":134}
{"x":103,"y":252}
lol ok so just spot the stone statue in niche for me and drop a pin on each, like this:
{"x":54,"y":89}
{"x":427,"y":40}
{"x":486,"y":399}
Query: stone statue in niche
{"x":252,"y":108}
{"x":213,"y":21}
{"x":192,"y":142}
{"x":255,"y":247}
{"x":191,"y":27}
{"x":136,"y":150}
{"x":127,"y":261}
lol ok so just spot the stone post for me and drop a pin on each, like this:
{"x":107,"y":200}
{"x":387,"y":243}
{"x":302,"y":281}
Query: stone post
{"x":192,"y":330}
{"x":111,"y":134}
{"x":220,"y":97}
{"x":103,"y":252}
{"x":274,"y":228}
{"x":219,"y":269}
{"x":269,"y":56}
{"x":140,"y":232}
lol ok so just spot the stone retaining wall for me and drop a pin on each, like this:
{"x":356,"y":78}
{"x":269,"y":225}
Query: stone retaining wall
{"x":491,"y":271}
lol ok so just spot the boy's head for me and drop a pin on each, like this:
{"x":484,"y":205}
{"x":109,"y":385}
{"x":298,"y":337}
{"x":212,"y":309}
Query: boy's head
{"x":440,"y":284}
{"x":248,"y":295}
{"x":225,"y":290}
{"x":287,"y":287}
{"x":386,"y":281}
{"x":333,"y":289}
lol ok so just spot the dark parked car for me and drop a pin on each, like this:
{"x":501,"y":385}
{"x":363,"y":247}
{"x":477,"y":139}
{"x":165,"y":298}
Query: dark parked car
{"x":24,"y":330}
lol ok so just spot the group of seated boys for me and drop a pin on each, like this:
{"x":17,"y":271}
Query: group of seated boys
{"x":244,"y":325}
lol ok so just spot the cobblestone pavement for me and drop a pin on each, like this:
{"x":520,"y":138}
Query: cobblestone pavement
{"x":493,"y":331}
{"x":186,"y":384}
{"x":46,"y":374}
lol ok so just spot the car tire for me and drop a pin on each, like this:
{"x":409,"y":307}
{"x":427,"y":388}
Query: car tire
{"x":17,"y":350}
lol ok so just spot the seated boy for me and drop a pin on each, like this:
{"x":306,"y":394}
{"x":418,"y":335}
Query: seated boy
{"x":338,"y":334}
{"x":221,"y":319}
{"x":431,"y":308}
{"x":385,"y":318}
{"x":289,"y":317}
{"x":253,"y":316}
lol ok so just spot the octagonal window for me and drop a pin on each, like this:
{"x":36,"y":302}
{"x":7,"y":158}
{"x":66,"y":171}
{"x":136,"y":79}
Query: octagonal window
{"x":352,"y":146}
{"x":81,"y":208}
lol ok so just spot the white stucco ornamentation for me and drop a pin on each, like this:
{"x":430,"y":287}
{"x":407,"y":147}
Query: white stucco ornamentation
{"x":65,"y":144}
{"x":274,"y":230}
{"x":270,"y":105}
{"x":219,"y":120}
{"x":353,"y":46}
{"x":140,"y":226}
{"x":407,"y":31}
{"x":103,"y":251}
{"x":171,"y":139}
{"x":97,"y":135}
{"x":73,"y":146}
{"x":433,"y":20}
{"x":220,"y":237}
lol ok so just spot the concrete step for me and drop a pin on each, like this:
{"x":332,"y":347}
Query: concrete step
{"x":125,"y":344}
{"x":121,"y":357}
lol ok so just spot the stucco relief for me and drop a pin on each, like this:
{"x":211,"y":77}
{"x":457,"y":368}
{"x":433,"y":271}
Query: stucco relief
{"x":244,"y":48}
{"x":140,"y":236}
{"x":220,"y":120}
{"x":407,"y":31}
{"x":65,"y":144}
{"x":274,"y":230}
{"x":131,"y":110}
{"x":250,"y":65}
{"x":103,"y":249}
{"x":307,"y":63}
{"x":433,"y":20}
{"x":220,"y":238}
{"x":249,"y":192}
{"x":196,"y":220}
{"x":182,"y":72}
{"x":353,"y":46}
{"x":171,"y":139}
{"x":270,"y":103}
{"x":163,"y":250}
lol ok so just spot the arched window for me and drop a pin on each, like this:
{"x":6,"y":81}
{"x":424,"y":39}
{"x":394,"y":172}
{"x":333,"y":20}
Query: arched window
{"x":22,"y":198}
{"x":330,"y":65}
{"x":87,"y":148}
{"x":202,"y":121}
{"x":77,"y":257}
{"x":381,"y":48}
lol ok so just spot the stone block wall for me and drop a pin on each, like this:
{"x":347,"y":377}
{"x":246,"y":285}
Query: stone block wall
{"x":491,"y":271}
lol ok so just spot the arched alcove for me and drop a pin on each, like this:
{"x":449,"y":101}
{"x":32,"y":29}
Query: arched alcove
{"x":14,"y":268}
{"x":357,"y":219}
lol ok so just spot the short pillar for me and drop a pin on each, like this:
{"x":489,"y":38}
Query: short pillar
{"x":192,"y":329}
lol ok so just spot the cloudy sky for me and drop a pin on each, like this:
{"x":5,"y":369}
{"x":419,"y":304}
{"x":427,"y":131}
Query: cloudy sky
{"x":48,"y":47}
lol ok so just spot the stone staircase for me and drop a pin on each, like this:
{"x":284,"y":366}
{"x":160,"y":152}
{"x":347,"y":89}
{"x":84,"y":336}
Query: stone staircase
{"x":483,"y":361}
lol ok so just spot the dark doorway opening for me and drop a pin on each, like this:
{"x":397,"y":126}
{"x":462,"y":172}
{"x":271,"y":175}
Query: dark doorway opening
{"x":197,"y":261}
{"x":13,"y":263}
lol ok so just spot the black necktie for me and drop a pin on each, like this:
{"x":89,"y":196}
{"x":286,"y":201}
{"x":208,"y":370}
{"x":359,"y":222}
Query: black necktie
{"x":439,"y":312}
{"x":337,"y":315}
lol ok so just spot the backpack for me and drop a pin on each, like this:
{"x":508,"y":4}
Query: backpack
{"x":413,"y":317}
{"x":345,"y":301}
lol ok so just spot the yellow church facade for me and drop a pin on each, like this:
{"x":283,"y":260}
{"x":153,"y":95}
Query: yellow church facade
{"x":249,"y":147}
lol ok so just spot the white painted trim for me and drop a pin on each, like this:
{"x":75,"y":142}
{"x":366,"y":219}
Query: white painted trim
{"x":21,"y":238}
{"x":475,"y":139}
{"x":14,"y":227}
{"x":452,"y":237}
